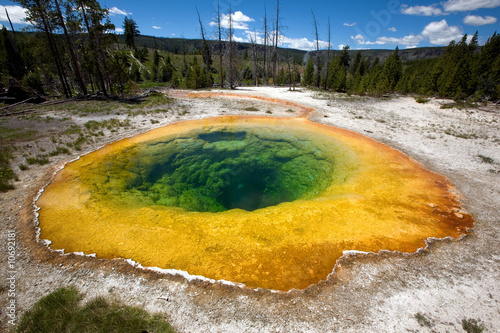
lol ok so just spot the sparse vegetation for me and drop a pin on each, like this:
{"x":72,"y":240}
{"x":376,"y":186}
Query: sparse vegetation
{"x":473,"y":325}
{"x":423,"y":320}
{"x":251,"y":108}
{"x":39,"y":159}
{"x":486,"y":159}
{"x":422,"y":100}
{"x":460,"y":135}
{"x":6,"y":173}
{"x":63,"y":311}
{"x":59,"y":151}
{"x":108,"y":124}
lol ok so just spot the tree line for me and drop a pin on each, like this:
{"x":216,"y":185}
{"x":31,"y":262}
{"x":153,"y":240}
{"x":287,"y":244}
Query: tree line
{"x":464,"y":71}
{"x":73,"y":52}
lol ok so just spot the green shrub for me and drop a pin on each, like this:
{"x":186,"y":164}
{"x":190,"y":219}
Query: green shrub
{"x":62,"y":311}
{"x":472,"y":325}
{"x":423,"y":320}
{"x":39,"y":159}
{"x":486,"y":159}
{"x":59,"y":150}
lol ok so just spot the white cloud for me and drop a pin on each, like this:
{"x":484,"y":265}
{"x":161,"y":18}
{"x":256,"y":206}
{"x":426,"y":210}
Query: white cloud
{"x":17,"y":14}
{"x":120,"y":30}
{"x":479,"y":20}
{"x":440,"y":33}
{"x":116,"y":11}
{"x":408,"y":41}
{"x":1,"y":26}
{"x":295,"y":43}
{"x":421,"y":10}
{"x":466,"y":5}
{"x":240,"y":21}
{"x":393,"y":29}
{"x":156,"y":27}
{"x":238,"y":16}
{"x":350,"y":24}
{"x":437,"y":33}
{"x":240,"y":39}
{"x":302,"y":43}
{"x":341,"y":46}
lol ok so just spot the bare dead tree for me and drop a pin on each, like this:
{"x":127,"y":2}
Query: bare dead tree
{"x":265,"y":45}
{"x":11,"y":25}
{"x":40,"y":11}
{"x":93,"y":42}
{"x":253,"y":40}
{"x":207,"y":57}
{"x":276,"y":40}
{"x":219,"y":31}
{"x":318,"y":70}
{"x":74,"y":61}
{"x":230,"y":65}
{"x":327,"y":65}
{"x":290,"y":60}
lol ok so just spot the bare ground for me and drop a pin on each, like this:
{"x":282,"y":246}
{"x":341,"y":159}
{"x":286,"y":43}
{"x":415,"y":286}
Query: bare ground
{"x":449,"y":281}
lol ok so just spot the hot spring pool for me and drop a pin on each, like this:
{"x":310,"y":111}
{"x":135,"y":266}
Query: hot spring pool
{"x":266,"y":202}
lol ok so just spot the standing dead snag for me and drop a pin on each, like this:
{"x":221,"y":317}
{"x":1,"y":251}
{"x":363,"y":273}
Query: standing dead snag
{"x":219,"y":31}
{"x":207,"y":56}
{"x":318,"y":69}
{"x":230,"y":54}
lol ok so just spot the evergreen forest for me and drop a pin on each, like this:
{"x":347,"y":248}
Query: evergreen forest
{"x":70,"y":51}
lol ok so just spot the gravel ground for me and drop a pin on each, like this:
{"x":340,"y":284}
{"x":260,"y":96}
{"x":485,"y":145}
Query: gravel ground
{"x":430,"y":291}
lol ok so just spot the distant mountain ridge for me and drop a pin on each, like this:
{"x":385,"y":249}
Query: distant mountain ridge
{"x":177,"y":45}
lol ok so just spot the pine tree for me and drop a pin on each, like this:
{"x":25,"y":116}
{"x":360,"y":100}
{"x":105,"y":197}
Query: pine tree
{"x":308,"y":73}
{"x":391,"y":73}
{"x":130,"y":30}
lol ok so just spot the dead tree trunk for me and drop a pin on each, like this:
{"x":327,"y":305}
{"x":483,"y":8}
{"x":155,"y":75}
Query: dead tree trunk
{"x":53,"y":48}
{"x":318,"y":69}
{"x":76,"y":66}
{"x":221,"y":62}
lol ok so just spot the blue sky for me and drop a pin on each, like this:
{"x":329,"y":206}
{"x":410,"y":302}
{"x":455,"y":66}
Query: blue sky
{"x":362,"y":24}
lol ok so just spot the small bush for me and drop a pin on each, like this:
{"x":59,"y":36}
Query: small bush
{"x":423,"y":320}
{"x":74,"y":129}
{"x":62,"y":311}
{"x":78,"y":143}
{"x":59,"y":150}
{"x":6,"y":175}
{"x":39,"y":159}
{"x":472,"y":325}
{"x":23,"y":167}
{"x":486,"y":159}
{"x":422,"y":100}
{"x":251,"y":108}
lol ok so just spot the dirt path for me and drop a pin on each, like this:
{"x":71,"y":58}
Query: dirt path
{"x":448,"y":282}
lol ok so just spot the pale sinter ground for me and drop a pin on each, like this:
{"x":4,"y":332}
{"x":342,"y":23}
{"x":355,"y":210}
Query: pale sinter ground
{"x":446,"y":283}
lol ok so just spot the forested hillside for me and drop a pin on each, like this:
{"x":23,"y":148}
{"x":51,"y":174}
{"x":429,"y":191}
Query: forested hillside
{"x":72,"y":52}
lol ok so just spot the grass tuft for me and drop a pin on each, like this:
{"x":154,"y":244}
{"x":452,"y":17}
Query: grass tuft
{"x":486,"y":159}
{"x":423,"y":320}
{"x":422,"y":100}
{"x":62,"y":311}
{"x":473,"y":325}
{"x":39,"y":159}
